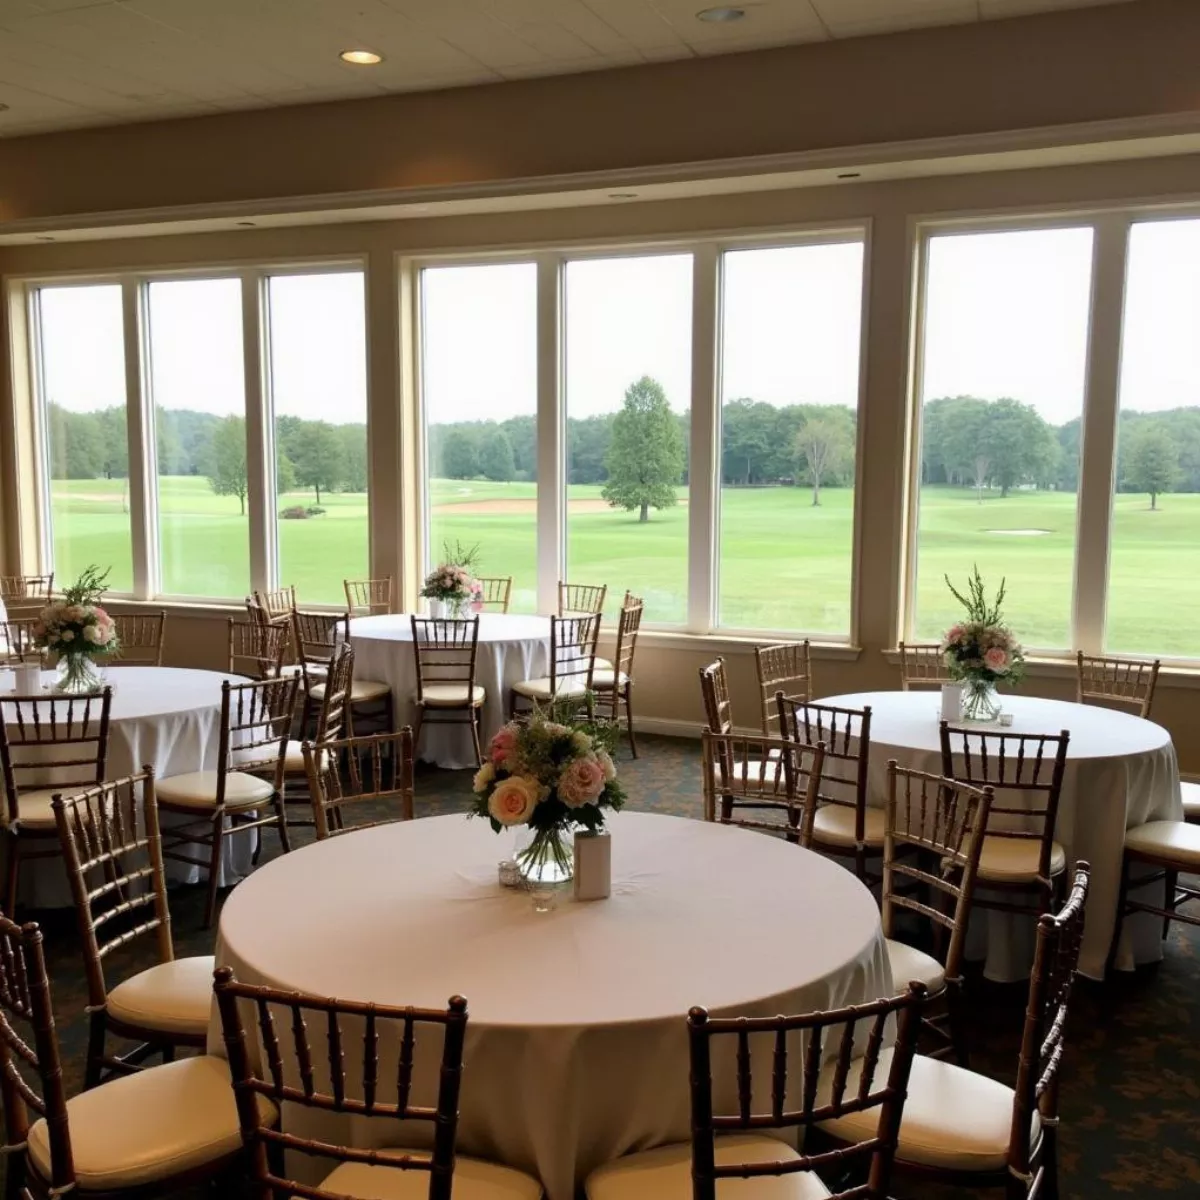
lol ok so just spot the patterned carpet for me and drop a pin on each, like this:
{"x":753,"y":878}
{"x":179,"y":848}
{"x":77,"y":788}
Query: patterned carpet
{"x":1131,"y":1083}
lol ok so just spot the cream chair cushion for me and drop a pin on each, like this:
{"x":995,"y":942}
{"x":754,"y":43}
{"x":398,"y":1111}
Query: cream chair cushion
{"x":361,"y":691}
{"x":909,"y":963}
{"x":1191,"y":801}
{"x":833,"y":825}
{"x":1010,"y":860}
{"x":33,"y":806}
{"x":666,"y":1173}
{"x":174,"y":997}
{"x":1176,"y":841}
{"x":539,"y":689}
{"x":451,"y":695}
{"x":603,"y":664}
{"x":293,"y":757}
{"x":473,"y":1180}
{"x":954,"y":1119}
{"x":198,"y":790}
{"x":137,"y":1129}
{"x":602,"y":678}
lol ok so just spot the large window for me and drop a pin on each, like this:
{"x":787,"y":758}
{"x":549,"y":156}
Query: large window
{"x":628,"y":395}
{"x":1004,"y":356}
{"x":319,"y":397}
{"x":789,"y":409}
{"x":81,"y":372}
{"x":479,"y":377}
{"x":1154,"y":559}
{"x":198,"y":388}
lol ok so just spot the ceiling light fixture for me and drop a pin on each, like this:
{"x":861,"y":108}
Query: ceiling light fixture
{"x":246,"y":224}
{"x":622,"y":195}
{"x":720,"y":16}
{"x":45,"y":238}
{"x":850,"y":175}
{"x":361,"y":58}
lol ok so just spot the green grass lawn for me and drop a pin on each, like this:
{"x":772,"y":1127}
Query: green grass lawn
{"x":784,"y":563}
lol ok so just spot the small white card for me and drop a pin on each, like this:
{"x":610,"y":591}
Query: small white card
{"x":952,"y":701}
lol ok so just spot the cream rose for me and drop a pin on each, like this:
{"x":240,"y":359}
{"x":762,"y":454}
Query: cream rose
{"x":514,"y":799}
{"x":483,"y":777}
{"x":582,"y":782}
{"x":606,"y":765}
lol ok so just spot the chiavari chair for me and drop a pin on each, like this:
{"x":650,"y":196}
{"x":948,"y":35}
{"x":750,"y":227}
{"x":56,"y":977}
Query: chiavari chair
{"x":48,"y":744}
{"x":444,"y":652}
{"x":17,"y":642}
{"x":735,"y":1142}
{"x":784,"y":667}
{"x":1124,"y":683}
{"x":141,"y":639}
{"x":843,"y":825}
{"x":718,"y":713}
{"x":348,"y":1042}
{"x":497,"y":591}
{"x":368,"y":597}
{"x":316,"y":637}
{"x":119,"y":890}
{"x":572,"y":663}
{"x":1020,"y":856}
{"x":24,"y":596}
{"x":932,"y":840}
{"x":275,"y":604}
{"x":965,"y":1129}
{"x":580,"y":599}
{"x":151,"y":1133}
{"x":613,"y":683}
{"x":256,"y":650}
{"x":378,"y":773}
{"x":922,"y":665}
{"x":780,"y":799}
{"x":256,"y":718}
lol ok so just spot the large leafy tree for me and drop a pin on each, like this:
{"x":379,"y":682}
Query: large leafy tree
{"x":458,"y":452}
{"x":1017,"y":441}
{"x":354,"y":457}
{"x":1151,"y":461}
{"x":748,"y":432}
{"x":825,"y":444}
{"x":645,"y":459}
{"x":316,"y":452}
{"x":227,"y":460}
{"x":496,"y":460}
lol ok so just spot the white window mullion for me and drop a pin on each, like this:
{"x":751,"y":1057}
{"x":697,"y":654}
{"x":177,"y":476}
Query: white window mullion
{"x":1098,"y":430}
{"x":142,"y":441}
{"x":551,"y":443}
{"x":260,"y":467}
{"x":704,"y":448}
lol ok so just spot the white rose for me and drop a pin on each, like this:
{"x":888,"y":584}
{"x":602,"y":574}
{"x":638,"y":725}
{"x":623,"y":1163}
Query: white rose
{"x":483,"y":777}
{"x":92,"y":634}
{"x":68,"y":635}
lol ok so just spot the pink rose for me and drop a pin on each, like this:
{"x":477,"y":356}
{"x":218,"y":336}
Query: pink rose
{"x":582,"y":782}
{"x":503,"y":746}
{"x":955,"y":634}
{"x":996,"y":659}
{"x":513,"y":801}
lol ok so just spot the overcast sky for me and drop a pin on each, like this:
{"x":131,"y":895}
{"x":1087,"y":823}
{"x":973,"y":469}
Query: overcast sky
{"x":1007,"y":316}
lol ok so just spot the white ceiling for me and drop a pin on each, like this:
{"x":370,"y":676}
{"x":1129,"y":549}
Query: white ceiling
{"x":71,"y":63}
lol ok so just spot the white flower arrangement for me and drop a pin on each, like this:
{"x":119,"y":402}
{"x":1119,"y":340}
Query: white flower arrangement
{"x":76,"y":625}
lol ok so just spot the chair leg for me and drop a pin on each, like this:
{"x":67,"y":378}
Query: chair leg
{"x":956,"y":1020}
{"x":1172,"y":882}
{"x":285,"y":839}
{"x":12,"y":877}
{"x":417,"y":731}
{"x":629,"y":718}
{"x":94,"y":1066}
{"x":1049,"y":1163}
{"x":214,"y":869}
{"x":1122,"y":900}
{"x":475,"y":736}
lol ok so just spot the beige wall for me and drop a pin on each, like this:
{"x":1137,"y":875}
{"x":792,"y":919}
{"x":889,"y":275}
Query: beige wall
{"x":1127,"y":61}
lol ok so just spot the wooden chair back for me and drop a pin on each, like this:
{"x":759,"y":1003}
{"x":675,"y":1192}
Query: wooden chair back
{"x":629,"y":624}
{"x":346,"y":1028}
{"x":798,"y":1098}
{"x":17,"y":642}
{"x":933,"y":820}
{"x":714,"y":689}
{"x":256,"y":649}
{"x":846,"y":734}
{"x":335,"y":700}
{"x":31,"y":1077}
{"x":573,"y":653}
{"x":274,"y":605}
{"x":116,"y":873}
{"x":378,"y":771}
{"x":1025,"y":771}
{"x":315,"y":638}
{"x":761,"y":783}
{"x":1055,"y":960}
{"x":256,"y":719}
{"x":784,"y":667}
{"x":142,"y":639}
{"x":497,"y":590}
{"x":368,"y":597}
{"x":26,"y":590}
{"x":922,"y":665}
{"x":77,"y":726}
{"x":580,"y":599}
{"x":1126,"y":683}
{"x":445,"y":650}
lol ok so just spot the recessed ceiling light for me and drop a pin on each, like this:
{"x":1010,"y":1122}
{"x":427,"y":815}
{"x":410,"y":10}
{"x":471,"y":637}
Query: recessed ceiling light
{"x":246,"y":224}
{"x":45,"y":238}
{"x":850,"y":175}
{"x":721,"y":15}
{"x":361,"y":58}
{"x":622,"y":195}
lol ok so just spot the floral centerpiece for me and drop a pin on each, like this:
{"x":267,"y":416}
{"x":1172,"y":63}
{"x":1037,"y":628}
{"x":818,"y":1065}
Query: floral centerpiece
{"x":452,"y":585}
{"x":79,"y":631}
{"x":547,"y":774}
{"x":982,"y":651}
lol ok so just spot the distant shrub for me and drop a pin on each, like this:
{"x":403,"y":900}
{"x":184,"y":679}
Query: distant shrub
{"x":297,"y":512}
{"x":315,"y":510}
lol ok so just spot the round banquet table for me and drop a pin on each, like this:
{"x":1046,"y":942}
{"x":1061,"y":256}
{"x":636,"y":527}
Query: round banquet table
{"x":168,"y":718}
{"x":511,"y":648}
{"x":1121,"y":771}
{"x":576,"y":1048}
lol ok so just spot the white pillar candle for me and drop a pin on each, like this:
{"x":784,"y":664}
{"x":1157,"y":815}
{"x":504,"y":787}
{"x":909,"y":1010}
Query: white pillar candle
{"x":952,"y":701}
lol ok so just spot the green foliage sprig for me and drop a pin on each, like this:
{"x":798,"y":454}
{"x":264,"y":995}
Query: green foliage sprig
{"x":460,"y":556}
{"x":89,"y":587}
{"x":978,"y":607}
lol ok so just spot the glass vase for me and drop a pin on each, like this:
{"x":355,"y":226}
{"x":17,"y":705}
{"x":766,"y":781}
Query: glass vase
{"x":458,"y":607}
{"x":78,"y":674}
{"x":980,"y":701}
{"x":546,"y":856}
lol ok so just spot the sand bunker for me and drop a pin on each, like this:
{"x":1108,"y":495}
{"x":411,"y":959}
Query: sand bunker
{"x":500,"y":508}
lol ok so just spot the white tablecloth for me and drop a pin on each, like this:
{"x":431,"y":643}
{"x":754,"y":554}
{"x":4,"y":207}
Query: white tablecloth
{"x":1121,"y":771}
{"x":576,"y":1047}
{"x":511,"y":648}
{"x":169,"y":718}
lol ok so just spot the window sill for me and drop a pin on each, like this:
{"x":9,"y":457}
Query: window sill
{"x":730,"y":645}
{"x":1051,"y":666}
